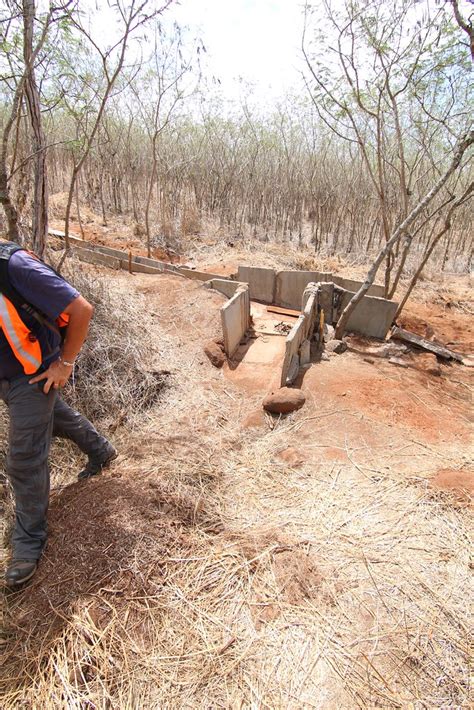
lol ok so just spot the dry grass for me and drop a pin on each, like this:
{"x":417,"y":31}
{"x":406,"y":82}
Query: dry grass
{"x":387,"y":625}
{"x":116,"y":374}
{"x":222,"y":577}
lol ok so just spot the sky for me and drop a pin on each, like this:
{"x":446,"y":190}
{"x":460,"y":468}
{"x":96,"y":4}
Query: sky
{"x":253,"y":47}
{"x":257,"y":41}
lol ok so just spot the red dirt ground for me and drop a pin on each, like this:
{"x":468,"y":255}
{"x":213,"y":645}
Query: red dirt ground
{"x":451,"y":326}
{"x":459,"y":481}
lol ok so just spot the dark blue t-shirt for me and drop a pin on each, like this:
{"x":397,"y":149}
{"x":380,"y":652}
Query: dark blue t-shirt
{"x":43,"y":289}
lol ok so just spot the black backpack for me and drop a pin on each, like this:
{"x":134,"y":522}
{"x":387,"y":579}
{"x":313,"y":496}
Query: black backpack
{"x":38,"y":319}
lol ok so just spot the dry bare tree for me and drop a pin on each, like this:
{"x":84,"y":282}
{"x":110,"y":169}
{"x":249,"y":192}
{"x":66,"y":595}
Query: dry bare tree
{"x":132,"y":17}
{"x":158,"y":93}
{"x":21,"y":26}
{"x":385,"y":82}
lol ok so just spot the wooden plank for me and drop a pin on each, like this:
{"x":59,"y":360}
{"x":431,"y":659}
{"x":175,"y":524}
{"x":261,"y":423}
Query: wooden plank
{"x":284,"y":311}
{"x":413,"y":339}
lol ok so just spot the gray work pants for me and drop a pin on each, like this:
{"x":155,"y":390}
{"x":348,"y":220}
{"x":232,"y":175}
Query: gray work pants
{"x":34,"y":418}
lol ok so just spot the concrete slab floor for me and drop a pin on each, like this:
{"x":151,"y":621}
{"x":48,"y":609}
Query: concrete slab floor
{"x":256,"y":365}
{"x":263,"y":320}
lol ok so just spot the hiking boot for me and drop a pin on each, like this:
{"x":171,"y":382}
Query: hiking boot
{"x":19,"y":571}
{"x":95,"y":465}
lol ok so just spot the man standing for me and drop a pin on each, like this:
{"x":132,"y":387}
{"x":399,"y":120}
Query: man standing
{"x":36,"y":360}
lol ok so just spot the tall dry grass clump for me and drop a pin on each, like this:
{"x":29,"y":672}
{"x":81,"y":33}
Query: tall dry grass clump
{"x":114,"y":375}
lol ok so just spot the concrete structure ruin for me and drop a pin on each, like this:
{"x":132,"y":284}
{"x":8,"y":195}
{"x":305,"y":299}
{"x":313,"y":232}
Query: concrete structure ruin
{"x":235,"y":319}
{"x":373,"y":316}
{"x":317,"y":294}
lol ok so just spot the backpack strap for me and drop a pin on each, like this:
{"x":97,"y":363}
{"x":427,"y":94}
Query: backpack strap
{"x":7,"y":249}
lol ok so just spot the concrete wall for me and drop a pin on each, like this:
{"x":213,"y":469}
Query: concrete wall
{"x":285,"y":288}
{"x":298,"y":341}
{"x":310,"y":308}
{"x":354,"y":286}
{"x":196,"y":275}
{"x":372,"y":316}
{"x":235,"y":319}
{"x":93,"y":257}
{"x":261,"y":282}
{"x":290,"y":285}
{"x":118,"y":253}
{"x":140,"y":264}
{"x":291,"y":362}
{"x":161,"y":265}
{"x":141,"y":268}
{"x":326,"y":296}
{"x":225,"y":286}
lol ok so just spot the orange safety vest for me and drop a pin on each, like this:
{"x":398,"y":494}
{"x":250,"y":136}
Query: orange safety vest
{"x":23,"y":341}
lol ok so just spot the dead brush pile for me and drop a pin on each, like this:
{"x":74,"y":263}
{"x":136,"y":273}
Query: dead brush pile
{"x":114,"y":375}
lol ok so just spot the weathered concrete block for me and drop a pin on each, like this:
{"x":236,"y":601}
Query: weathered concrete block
{"x":225,"y":286}
{"x":326,"y":295}
{"x":121,"y":254}
{"x":93,"y":257}
{"x":235,"y":319}
{"x":310,"y":290}
{"x":110,"y":251}
{"x":140,"y":268}
{"x":305,"y":352}
{"x":195,"y":275}
{"x":354,"y":285}
{"x":155,"y":263}
{"x":290,"y":285}
{"x":372,"y":316}
{"x":261,"y":282}
{"x":310,"y":308}
{"x":293,"y":344}
{"x":72,"y":237}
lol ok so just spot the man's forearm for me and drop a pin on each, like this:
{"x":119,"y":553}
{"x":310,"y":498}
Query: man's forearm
{"x":58,"y":373}
{"x":80,"y":314}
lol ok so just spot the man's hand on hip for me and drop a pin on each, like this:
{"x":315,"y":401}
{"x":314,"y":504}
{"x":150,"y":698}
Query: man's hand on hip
{"x":56,"y":376}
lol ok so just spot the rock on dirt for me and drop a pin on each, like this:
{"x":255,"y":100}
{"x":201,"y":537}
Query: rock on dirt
{"x":397,"y":361}
{"x":284,"y":401}
{"x":254,"y":420}
{"x":328,"y":333}
{"x":215,"y":352}
{"x":367,"y":347}
{"x":336,"y":346}
{"x":388,"y":350}
{"x":427,"y":362}
{"x":293,"y":457}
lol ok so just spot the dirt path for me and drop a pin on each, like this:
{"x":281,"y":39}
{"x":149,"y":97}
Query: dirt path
{"x":231,"y":559}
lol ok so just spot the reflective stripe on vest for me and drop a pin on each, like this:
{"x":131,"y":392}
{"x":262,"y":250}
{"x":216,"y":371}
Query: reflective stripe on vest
{"x":26,"y":347}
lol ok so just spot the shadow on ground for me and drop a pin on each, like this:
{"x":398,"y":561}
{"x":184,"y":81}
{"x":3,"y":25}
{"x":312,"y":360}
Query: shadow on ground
{"x":107,"y":536}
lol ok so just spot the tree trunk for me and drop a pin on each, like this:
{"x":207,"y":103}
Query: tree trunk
{"x":461,"y":148}
{"x":446,"y":227}
{"x":5,"y":197}
{"x":40,"y":197}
